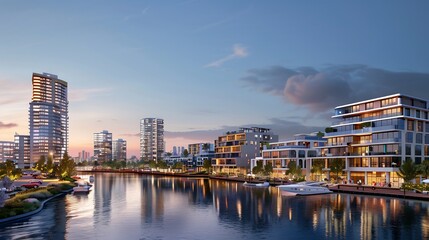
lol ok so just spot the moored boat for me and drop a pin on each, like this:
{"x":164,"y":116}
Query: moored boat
{"x":264,"y":184}
{"x":82,"y":187}
{"x":305,"y":188}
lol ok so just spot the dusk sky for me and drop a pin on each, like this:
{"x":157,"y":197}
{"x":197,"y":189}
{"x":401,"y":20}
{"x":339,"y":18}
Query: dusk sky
{"x":207,"y":67}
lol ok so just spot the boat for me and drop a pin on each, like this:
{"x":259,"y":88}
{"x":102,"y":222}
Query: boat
{"x":264,"y":184}
{"x":82,"y":187}
{"x":91,"y":179}
{"x":304,"y":188}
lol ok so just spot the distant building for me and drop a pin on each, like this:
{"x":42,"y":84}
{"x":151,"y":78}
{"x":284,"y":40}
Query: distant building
{"x":198,"y":148}
{"x":7,"y":151}
{"x":22,"y":151}
{"x":234,"y":150}
{"x":103,"y":146}
{"x":84,"y":156}
{"x":119,"y":149}
{"x":49,"y":121}
{"x":298,"y":151}
{"x":151,"y":138}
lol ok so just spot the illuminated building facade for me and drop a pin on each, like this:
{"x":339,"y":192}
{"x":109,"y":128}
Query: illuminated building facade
{"x":234,"y":150}
{"x":103,"y":146}
{"x":373,"y":138}
{"x":151,"y":139}
{"x":119,"y":149}
{"x":6,"y":151}
{"x":22,"y":151}
{"x":49,"y":121}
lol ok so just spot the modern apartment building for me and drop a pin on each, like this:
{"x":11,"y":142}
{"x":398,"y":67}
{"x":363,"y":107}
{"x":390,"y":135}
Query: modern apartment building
{"x":49,"y":121}
{"x":234,"y":150}
{"x":119,"y":149}
{"x":103,"y":146}
{"x":151,"y":138}
{"x":6,"y":151}
{"x":22,"y":151}
{"x":300,"y":150}
{"x":372,"y":138}
{"x":199,"y":148}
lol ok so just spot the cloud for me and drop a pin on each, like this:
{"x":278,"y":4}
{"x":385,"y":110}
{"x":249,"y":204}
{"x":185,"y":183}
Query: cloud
{"x":14,"y":92}
{"x":238,"y":51}
{"x":7,"y":125}
{"x":323,"y":89}
{"x":83,"y":94}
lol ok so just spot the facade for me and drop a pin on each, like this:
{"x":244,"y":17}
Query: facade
{"x":22,"y":151}
{"x":234,"y":150}
{"x":49,"y":121}
{"x":151,"y":139}
{"x":103,"y":146}
{"x":6,"y":151}
{"x":199,"y":148}
{"x":300,"y":150}
{"x":119,"y":149}
{"x":84,"y":156}
{"x":372,"y":138}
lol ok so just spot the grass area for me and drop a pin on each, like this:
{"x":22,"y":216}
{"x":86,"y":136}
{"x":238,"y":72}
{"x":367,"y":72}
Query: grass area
{"x":17,"y":205}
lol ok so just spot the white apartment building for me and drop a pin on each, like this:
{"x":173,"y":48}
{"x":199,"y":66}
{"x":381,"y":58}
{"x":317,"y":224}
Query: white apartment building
{"x":374,"y":137}
{"x":152,"y":143}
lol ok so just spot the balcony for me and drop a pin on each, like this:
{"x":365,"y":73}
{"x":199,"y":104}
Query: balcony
{"x":363,"y":130}
{"x":343,"y":121}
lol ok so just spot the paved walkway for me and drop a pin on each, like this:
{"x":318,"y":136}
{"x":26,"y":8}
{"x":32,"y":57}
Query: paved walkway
{"x":380,"y":191}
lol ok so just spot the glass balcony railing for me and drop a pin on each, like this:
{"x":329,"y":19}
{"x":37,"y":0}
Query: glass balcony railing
{"x":363,"y":130}
{"x":345,"y":121}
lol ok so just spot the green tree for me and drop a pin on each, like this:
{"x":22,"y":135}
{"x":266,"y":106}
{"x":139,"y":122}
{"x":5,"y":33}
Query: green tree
{"x":294,"y":170}
{"x":67,"y":167}
{"x":337,"y":166}
{"x":424,"y":168}
{"x":152,"y":164}
{"x":320,"y":134}
{"x":178,"y":165}
{"x":207,"y":165}
{"x":317,"y":167}
{"x":49,"y":165}
{"x":185,"y":153}
{"x":268,"y":169}
{"x":408,"y":170}
{"x":9,"y":167}
{"x":40,"y":164}
{"x":162,"y":165}
{"x":258,"y":169}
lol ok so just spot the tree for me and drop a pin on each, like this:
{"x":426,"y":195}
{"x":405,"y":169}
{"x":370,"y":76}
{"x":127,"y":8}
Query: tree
{"x":9,"y":167}
{"x":67,"y":167}
{"x":424,"y":168}
{"x":294,"y":170}
{"x":268,"y":169}
{"x":408,"y":170}
{"x":7,"y":182}
{"x":162,"y":164}
{"x":207,"y":165}
{"x":258,"y":169}
{"x":152,"y":164}
{"x":317,"y":167}
{"x":337,"y":166}
{"x":178,"y":165}
{"x":40,"y":164}
{"x":185,"y":153}
{"x":49,"y":165}
{"x":320,"y":134}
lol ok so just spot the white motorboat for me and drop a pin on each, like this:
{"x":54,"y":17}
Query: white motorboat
{"x":264,"y":184}
{"x":305,"y":188}
{"x":82,"y":187}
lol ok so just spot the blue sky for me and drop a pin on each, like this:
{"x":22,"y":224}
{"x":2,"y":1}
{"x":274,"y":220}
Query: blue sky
{"x":208,"y":66}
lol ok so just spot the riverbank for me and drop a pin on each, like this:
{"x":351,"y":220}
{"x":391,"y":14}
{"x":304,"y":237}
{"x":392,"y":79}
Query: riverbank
{"x":40,"y":208}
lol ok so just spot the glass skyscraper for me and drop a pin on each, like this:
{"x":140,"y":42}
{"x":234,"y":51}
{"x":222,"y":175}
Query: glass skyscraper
{"x":49,"y":121}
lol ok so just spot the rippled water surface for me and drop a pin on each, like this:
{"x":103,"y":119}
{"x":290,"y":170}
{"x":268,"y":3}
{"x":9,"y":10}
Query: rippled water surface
{"x":128,"y":206}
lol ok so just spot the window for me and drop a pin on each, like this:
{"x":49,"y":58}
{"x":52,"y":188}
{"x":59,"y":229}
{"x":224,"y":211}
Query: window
{"x":418,"y":150}
{"x":407,"y":149}
{"x":410,"y":125}
{"x":407,"y":112}
{"x":417,"y":113}
{"x":409,"y":137}
{"x":419,"y":126}
{"x":419,"y":138}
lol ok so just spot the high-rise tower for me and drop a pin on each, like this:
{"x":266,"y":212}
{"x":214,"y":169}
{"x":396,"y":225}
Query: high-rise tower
{"x":49,"y":119}
{"x":151,"y":138}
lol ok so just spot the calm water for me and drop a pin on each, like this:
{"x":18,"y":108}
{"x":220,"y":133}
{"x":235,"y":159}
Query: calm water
{"x":128,"y":206}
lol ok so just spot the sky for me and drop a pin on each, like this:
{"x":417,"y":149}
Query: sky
{"x":207,"y":67}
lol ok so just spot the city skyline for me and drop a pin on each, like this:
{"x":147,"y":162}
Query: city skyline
{"x":208,"y":67}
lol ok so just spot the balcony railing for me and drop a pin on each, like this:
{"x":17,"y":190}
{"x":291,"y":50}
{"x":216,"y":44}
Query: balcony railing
{"x":342,"y":121}
{"x":363,"y":130}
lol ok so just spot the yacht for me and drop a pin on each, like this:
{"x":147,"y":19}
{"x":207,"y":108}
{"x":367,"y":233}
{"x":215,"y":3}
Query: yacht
{"x":82,"y":187}
{"x":264,"y":184}
{"x":304,"y":188}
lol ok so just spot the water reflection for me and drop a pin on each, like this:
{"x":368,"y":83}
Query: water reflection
{"x":150,"y":207}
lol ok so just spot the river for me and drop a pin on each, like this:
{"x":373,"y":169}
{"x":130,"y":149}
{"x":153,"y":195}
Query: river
{"x":131,"y":206}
